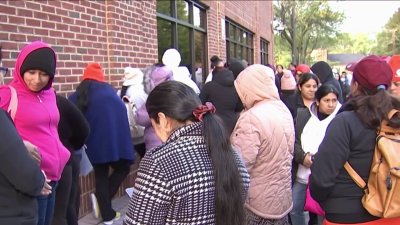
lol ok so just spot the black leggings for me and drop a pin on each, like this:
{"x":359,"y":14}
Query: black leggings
{"x":107,"y":184}
{"x":66,"y":209}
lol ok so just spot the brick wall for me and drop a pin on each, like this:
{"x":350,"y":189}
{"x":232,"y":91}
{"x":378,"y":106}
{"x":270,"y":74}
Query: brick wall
{"x":113,"y":33}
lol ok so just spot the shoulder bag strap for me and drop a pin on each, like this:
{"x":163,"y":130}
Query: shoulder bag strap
{"x":384,"y":128}
{"x":354,"y":175}
{"x":12,"y":107}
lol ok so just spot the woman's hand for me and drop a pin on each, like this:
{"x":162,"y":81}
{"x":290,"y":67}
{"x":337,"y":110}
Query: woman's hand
{"x":33,"y":151}
{"x":307,"y":160}
{"x":46,"y":190}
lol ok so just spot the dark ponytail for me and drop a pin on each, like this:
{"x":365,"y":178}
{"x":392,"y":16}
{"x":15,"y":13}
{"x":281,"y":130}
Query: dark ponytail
{"x":82,"y":92}
{"x":178,"y":101}
{"x":228,"y":188}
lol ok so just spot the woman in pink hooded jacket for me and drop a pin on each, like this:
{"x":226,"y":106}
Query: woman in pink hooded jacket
{"x":264,"y":134}
{"x":36,"y":115}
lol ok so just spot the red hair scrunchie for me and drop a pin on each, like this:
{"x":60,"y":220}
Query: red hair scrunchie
{"x":201,"y":110}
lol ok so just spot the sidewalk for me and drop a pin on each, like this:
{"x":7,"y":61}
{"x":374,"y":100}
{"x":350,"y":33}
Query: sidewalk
{"x":119,"y":204}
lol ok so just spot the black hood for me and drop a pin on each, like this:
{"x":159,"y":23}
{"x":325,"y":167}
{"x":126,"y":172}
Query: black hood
{"x":323,"y":71}
{"x":223,"y":77}
{"x":236,"y":66}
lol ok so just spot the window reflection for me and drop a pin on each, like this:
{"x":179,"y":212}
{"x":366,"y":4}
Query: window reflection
{"x":239,"y":42}
{"x":164,"y":32}
{"x":198,"y":17}
{"x":264,"y":51}
{"x":164,"y":7}
{"x":244,"y":41}
{"x":232,"y":30}
{"x":184,"y":31}
{"x":182,"y":12}
{"x":184,"y":46}
{"x":199,"y":54}
{"x":232,"y":50}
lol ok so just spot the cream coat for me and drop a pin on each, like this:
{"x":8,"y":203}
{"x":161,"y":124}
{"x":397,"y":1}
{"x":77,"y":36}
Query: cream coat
{"x":264,"y":134}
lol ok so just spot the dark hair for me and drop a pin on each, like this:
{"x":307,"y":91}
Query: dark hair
{"x":214,"y":61}
{"x":218,"y":69}
{"x":306,"y":77}
{"x":159,"y":64}
{"x":82,"y":94}
{"x":324,"y":90}
{"x":279,"y":65}
{"x":228,"y":199}
{"x":374,"y":107}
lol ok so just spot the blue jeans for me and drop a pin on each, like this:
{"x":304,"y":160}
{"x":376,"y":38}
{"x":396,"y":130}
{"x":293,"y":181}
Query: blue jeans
{"x":299,"y":198}
{"x":46,"y":205}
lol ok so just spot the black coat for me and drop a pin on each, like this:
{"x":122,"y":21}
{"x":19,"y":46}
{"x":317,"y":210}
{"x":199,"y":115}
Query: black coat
{"x":325,"y":75}
{"x":73,"y":127}
{"x":20,"y":177}
{"x":346,"y":139}
{"x":222,"y":93}
{"x":294,"y":102}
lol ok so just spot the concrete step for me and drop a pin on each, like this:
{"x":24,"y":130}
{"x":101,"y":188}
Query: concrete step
{"x":119,"y":204}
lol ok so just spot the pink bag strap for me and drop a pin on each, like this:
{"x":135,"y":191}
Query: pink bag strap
{"x":12,"y":107}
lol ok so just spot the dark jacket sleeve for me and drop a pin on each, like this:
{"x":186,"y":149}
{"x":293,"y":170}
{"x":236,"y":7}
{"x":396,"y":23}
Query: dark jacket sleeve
{"x":16,"y":165}
{"x":301,"y":120}
{"x":330,"y":158}
{"x":239,"y":105}
{"x":204,"y":93}
{"x":73,"y":128}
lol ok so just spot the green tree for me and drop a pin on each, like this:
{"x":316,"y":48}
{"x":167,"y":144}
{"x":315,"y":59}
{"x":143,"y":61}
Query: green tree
{"x":347,"y":43}
{"x":308,"y":25}
{"x":282,"y":54}
{"x":388,"y":41}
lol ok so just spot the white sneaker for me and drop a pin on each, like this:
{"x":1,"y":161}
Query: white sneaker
{"x":110,"y":222}
{"x":95,"y":206}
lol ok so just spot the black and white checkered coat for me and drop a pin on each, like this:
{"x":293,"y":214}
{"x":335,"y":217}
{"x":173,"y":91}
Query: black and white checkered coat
{"x":175,"y":182}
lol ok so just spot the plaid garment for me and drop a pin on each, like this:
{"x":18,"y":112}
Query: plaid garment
{"x":253,"y":219}
{"x":175,"y":182}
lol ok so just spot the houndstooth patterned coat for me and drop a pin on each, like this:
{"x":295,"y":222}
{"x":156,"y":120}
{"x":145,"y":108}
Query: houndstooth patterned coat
{"x":175,"y":182}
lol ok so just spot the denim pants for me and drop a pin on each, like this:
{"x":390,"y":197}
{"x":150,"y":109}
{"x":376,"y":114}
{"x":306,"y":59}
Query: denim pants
{"x":46,"y":205}
{"x":299,"y":198}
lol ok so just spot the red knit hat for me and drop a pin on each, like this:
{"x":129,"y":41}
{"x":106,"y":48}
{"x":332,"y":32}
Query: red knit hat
{"x":394,"y":63}
{"x":372,"y":71}
{"x":93,"y":71}
{"x":303,"y":68}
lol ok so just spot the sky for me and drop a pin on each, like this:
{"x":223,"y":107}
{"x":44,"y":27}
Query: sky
{"x":365,"y":16}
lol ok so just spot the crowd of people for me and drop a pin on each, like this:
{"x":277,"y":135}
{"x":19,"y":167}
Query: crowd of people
{"x":244,"y":148}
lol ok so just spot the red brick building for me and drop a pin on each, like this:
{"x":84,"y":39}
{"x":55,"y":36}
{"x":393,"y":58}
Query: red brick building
{"x":135,"y":33}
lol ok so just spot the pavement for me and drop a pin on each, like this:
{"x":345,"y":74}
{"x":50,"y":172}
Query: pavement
{"x":119,"y":204}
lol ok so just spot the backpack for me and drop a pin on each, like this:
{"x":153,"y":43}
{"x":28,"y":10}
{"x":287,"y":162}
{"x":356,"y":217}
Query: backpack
{"x":137,"y":131}
{"x":382,"y":193}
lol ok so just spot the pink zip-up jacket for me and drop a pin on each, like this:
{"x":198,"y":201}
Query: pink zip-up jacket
{"x":264,"y":134}
{"x":37,"y":117}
